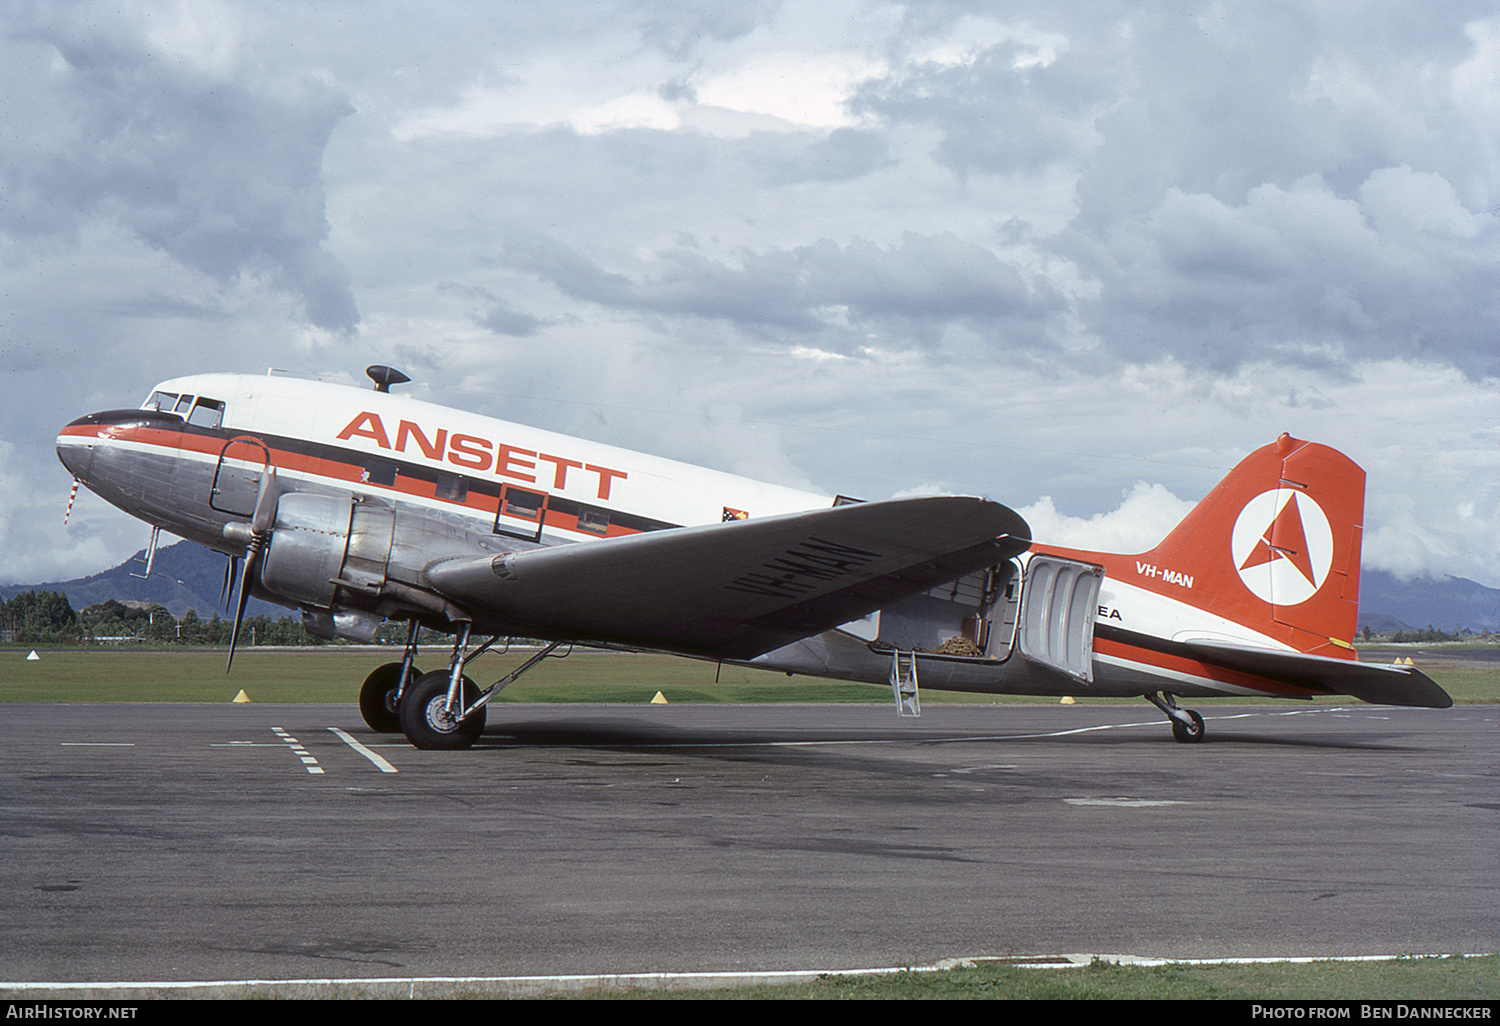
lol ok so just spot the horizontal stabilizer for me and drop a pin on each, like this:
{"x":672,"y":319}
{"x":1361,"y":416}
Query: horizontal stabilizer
{"x":1368,"y":682}
{"x":737,"y":589}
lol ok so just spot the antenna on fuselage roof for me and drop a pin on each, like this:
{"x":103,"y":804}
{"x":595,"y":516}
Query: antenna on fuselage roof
{"x":385,"y":377}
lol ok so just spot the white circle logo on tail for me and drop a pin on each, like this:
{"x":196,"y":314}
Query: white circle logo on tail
{"x":1282,"y":546}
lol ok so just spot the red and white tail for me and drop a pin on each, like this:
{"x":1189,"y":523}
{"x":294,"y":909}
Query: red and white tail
{"x":1275,"y":546}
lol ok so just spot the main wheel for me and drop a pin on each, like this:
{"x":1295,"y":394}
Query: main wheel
{"x":377,"y":698}
{"x":1185,"y":733}
{"x":425,"y":718}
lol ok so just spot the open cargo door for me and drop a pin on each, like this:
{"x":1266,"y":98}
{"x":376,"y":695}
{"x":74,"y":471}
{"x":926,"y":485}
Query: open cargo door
{"x":1059,"y":602}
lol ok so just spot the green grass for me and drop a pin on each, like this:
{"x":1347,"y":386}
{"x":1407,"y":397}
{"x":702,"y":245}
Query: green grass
{"x":1476,"y":978}
{"x":335,"y":674}
{"x":1460,"y":979}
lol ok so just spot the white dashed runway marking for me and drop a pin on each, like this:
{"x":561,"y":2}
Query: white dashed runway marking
{"x":308,"y":760}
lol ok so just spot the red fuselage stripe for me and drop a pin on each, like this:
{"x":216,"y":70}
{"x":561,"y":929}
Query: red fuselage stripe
{"x":343,"y":472}
{"x":1194,"y":668}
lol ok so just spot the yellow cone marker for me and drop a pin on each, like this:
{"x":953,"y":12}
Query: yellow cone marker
{"x":1067,"y":700}
{"x":242,"y":697}
{"x":659,"y":699}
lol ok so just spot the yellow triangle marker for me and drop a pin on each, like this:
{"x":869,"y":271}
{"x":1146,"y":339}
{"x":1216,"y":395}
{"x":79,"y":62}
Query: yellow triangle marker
{"x":242,"y":698}
{"x":1067,"y":700}
{"x":659,"y":699}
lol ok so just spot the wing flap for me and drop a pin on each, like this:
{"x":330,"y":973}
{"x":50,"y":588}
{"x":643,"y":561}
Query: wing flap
{"x":738,"y":589}
{"x":1368,"y":682}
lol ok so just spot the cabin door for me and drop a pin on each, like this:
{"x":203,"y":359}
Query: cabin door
{"x":237,"y":477}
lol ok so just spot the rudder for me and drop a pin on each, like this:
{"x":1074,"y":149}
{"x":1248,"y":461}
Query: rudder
{"x":1276,"y":545}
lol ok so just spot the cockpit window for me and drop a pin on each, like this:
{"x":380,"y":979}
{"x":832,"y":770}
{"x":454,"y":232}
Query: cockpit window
{"x":207,"y":412}
{"x":184,"y":404}
{"x":160,"y":401}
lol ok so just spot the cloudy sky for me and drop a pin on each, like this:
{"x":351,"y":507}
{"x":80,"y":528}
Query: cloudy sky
{"x":1078,"y":257}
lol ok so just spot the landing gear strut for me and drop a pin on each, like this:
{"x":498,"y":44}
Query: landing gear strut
{"x":380,"y":697}
{"x":445,"y":710}
{"x":1187,"y":725}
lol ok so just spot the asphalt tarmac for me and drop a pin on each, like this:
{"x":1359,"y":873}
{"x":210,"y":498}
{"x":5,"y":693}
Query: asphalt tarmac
{"x":191,"y":842}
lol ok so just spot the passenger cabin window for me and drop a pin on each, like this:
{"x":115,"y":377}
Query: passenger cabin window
{"x":593,"y":521}
{"x":379,"y":472}
{"x":523,"y":504}
{"x":451,"y":487}
{"x":208,"y":413}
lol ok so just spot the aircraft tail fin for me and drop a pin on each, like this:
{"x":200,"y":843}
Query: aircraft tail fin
{"x":1276,"y":545}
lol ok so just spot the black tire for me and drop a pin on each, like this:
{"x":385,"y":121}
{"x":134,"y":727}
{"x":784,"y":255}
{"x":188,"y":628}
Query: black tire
{"x":424,"y":718}
{"x":377,"y":698}
{"x":1188,"y":734}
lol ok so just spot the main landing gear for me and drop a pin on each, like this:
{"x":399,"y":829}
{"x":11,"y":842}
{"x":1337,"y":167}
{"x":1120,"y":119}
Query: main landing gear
{"x":431,"y":721}
{"x":1187,"y":725}
{"x":380,"y":697}
{"x":441,"y":710}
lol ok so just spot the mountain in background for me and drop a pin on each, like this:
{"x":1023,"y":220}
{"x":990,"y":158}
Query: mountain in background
{"x":1387,"y":603}
{"x":183,"y":576}
{"x":187,"y":576}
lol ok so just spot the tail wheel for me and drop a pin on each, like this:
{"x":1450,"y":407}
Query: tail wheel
{"x":377,"y":698}
{"x":425,"y":718}
{"x":1188,"y":733}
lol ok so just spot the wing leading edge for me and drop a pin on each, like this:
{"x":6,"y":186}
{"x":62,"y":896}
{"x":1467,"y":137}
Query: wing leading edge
{"x":738,"y":589}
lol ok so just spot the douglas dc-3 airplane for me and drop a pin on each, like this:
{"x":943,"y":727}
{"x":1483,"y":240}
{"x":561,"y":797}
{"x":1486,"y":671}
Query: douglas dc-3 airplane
{"x":357,"y":506}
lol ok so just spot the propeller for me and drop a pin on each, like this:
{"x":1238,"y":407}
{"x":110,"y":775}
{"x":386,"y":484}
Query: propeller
{"x":231,"y":572}
{"x":255,"y":536}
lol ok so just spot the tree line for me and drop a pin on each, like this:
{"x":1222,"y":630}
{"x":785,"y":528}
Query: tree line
{"x":1431,"y":633}
{"x":46,"y":617}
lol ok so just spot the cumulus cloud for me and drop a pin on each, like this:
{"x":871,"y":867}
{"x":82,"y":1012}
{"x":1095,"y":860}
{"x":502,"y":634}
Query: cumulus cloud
{"x":1144,"y":517}
{"x":923,"y":282}
{"x":1304,"y":272}
{"x":861,"y":246}
{"x":164,"y":132}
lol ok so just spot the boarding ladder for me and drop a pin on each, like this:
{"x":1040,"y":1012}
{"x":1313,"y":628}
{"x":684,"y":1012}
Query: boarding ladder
{"x":904,"y":683}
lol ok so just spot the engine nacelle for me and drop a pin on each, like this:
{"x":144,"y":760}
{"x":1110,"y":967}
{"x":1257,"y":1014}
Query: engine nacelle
{"x":327,"y":624}
{"x":347,"y":562}
{"x":309,"y":543}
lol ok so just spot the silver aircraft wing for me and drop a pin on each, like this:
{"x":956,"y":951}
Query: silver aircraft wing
{"x":737,"y":589}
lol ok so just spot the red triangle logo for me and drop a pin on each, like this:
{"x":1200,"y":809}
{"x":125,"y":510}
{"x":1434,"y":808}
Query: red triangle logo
{"x":1284,"y":539}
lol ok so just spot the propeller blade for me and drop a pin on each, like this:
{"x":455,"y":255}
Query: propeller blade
{"x":264,"y":517}
{"x":230,"y":565}
{"x":261,"y":523}
{"x":252,"y":558}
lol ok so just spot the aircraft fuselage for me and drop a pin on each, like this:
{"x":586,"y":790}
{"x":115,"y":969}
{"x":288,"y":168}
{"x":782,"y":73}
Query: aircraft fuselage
{"x":425,"y":482}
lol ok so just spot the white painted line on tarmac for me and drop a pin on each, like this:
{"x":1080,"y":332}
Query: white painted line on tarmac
{"x":848,"y":742}
{"x":307,"y":759}
{"x":569,"y":982}
{"x":380,"y":763}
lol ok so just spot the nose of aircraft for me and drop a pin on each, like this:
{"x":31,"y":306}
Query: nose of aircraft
{"x":76,"y":453}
